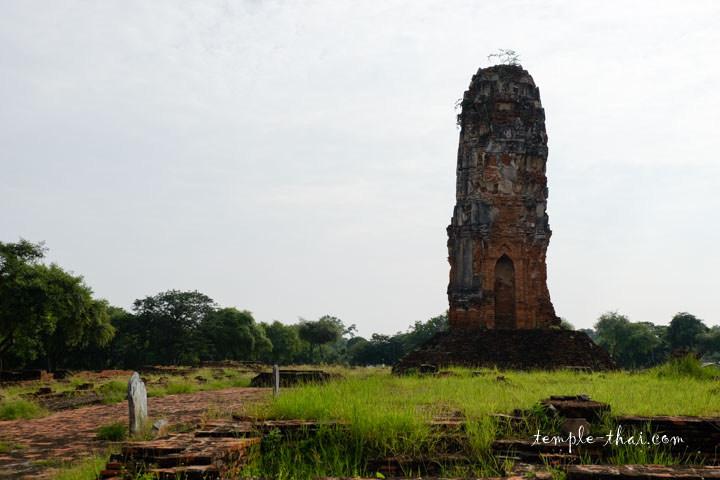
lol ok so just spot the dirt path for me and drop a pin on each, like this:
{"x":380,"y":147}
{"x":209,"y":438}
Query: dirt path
{"x":70,"y":435}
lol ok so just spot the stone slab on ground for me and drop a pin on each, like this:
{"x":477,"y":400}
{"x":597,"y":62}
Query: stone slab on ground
{"x":537,"y":475}
{"x":577,"y":406}
{"x":640,"y":472}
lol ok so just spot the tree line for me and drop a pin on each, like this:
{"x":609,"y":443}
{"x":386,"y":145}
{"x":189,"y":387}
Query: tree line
{"x":644,"y":344}
{"x":49,"y":319}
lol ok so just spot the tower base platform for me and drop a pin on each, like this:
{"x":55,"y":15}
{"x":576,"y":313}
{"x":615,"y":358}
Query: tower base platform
{"x":540,"y":349}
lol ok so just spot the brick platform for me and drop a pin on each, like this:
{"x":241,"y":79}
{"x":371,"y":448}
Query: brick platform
{"x":545,"y":349}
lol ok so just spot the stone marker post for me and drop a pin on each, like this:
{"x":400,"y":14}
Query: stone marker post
{"x":276,"y":379}
{"x":137,"y":403}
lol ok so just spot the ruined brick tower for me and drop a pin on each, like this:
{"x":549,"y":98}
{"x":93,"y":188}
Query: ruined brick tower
{"x":499,"y":232}
{"x":498,"y":236}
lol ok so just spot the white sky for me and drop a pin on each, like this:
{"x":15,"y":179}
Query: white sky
{"x":298,"y":158}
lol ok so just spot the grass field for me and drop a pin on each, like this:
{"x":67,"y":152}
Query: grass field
{"x":367,"y":394}
{"x":388,"y":416}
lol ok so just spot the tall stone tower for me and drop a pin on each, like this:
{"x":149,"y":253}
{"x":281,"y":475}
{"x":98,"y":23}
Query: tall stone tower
{"x":499,"y":232}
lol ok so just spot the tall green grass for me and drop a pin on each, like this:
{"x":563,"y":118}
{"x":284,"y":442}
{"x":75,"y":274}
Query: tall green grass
{"x":687,"y":367}
{"x":383,"y":398}
{"x":8,"y":446}
{"x":86,"y":469}
{"x":114,"y":391}
{"x":387,"y":416}
{"x":21,"y":409}
{"x":115,"y":432}
{"x":177,"y":386}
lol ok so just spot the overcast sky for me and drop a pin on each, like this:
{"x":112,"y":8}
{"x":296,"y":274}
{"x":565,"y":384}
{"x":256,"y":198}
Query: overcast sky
{"x":298,"y":158}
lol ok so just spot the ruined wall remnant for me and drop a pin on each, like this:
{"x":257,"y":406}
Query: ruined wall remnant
{"x":499,"y":231}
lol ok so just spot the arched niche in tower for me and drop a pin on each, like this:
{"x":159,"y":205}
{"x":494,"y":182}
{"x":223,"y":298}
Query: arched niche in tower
{"x":505,"y":310}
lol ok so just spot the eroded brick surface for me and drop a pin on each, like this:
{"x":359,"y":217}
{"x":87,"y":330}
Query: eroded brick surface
{"x":69,"y":435}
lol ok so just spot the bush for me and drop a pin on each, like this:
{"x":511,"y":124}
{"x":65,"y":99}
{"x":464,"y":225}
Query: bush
{"x":21,"y":409}
{"x":9,"y":446}
{"x":180,"y":386}
{"x":687,"y":366}
{"x":115,"y":432}
{"x":240,"y":382}
{"x":114,"y":391}
{"x":89,"y":467}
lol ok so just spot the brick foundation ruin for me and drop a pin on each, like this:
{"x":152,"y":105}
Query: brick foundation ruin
{"x":500,"y":310}
{"x":548,"y":349}
{"x":221,"y":448}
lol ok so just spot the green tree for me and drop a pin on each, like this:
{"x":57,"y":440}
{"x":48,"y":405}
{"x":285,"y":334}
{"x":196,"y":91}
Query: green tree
{"x":170,"y":324}
{"x":344,"y":330}
{"x":44,"y":310}
{"x":286,"y":344}
{"x":233,"y":335}
{"x":589,"y":332}
{"x":421,"y":332}
{"x":683,"y":330}
{"x":565,"y":325}
{"x":92,"y":352}
{"x":708,"y":343}
{"x":319,"y":333}
{"x":387,"y":349}
{"x":659,"y":353}
{"x":629,"y":343}
{"x":361,"y":352}
{"x":336,"y":352}
{"x":23,"y":299}
{"x":130,"y":344}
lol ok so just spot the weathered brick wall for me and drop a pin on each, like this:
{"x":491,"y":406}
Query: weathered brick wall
{"x":499,"y":230}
